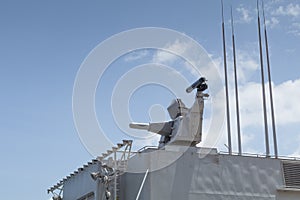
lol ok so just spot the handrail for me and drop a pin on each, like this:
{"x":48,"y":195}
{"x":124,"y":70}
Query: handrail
{"x":260,"y":155}
{"x":146,"y":147}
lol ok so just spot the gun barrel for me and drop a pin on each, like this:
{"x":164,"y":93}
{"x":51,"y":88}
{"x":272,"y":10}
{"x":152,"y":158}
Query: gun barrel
{"x":161,"y":128}
{"x":141,"y":126}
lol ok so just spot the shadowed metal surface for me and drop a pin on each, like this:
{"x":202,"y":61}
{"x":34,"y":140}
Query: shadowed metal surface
{"x":215,"y":176}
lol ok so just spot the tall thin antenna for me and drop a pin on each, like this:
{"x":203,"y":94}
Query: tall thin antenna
{"x":236,"y":89}
{"x":226,"y":84}
{"x":270,"y":86}
{"x":263,"y":86}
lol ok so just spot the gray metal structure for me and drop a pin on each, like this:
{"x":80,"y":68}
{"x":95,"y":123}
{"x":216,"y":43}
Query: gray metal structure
{"x":98,"y":179}
{"x":185,"y":128}
{"x":215,"y":176}
{"x":177,"y":169}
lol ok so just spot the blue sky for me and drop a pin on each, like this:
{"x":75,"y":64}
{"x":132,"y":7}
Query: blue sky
{"x":43,"y":45}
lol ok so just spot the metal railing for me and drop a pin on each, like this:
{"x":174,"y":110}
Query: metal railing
{"x":260,"y":155}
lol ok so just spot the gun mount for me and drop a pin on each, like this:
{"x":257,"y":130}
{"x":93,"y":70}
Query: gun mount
{"x":185,"y":128}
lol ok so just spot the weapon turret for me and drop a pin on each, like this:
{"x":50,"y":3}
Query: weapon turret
{"x":185,"y":128}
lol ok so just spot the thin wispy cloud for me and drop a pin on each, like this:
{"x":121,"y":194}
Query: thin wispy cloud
{"x":166,"y":57}
{"x":272,"y":22}
{"x":296,"y":24}
{"x":247,"y":64}
{"x":245,"y":15}
{"x":292,"y":10}
{"x":136,"y":55}
{"x":284,"y":15}
{"x":295,"y":29}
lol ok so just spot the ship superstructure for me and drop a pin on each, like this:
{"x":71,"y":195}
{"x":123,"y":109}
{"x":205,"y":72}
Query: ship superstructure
{"x":177,"y":169}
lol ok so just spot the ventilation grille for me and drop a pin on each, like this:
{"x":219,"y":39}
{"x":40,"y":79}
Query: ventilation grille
{"x":291,"y":171}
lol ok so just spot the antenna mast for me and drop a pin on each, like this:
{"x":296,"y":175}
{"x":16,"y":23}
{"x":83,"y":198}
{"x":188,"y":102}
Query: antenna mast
{"x":226,"y":84}
{"x":236,"y":89}
{"x":270,"y":86}
{"x":263,"y":86}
